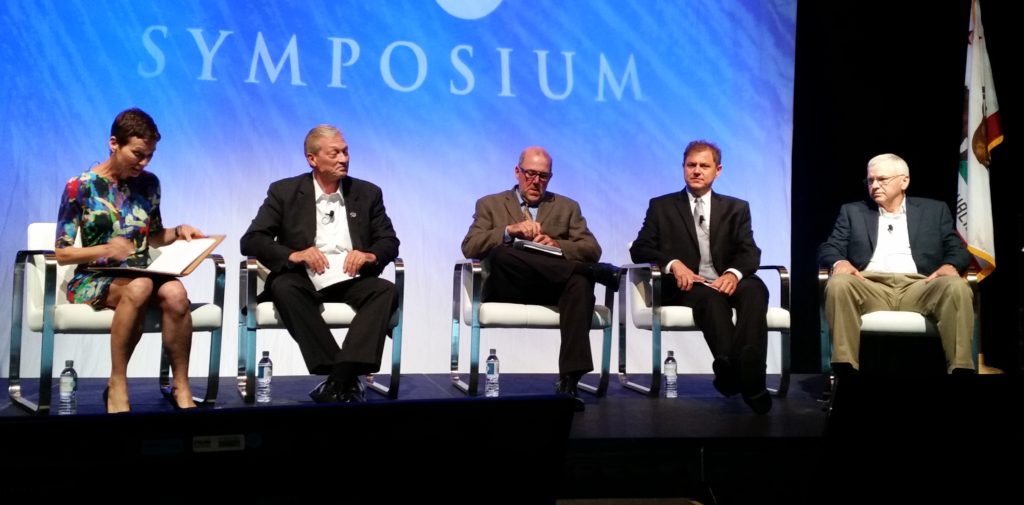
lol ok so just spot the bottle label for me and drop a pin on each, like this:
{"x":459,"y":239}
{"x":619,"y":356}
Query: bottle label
{"x":492,"y":368}
{"x":265,"y":372}
{"x":67,"y":385}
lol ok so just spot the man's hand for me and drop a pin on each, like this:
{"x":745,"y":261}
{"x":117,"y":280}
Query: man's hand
{"x":543,"y":239}
{"x":726,"y":284}
{"x":355,"y":261}
{"x":313,"y":258}
{"x":525,"y":230}
{"x":944,"y":270}
{"x":685,"y":278}
{"x":845,"y":267}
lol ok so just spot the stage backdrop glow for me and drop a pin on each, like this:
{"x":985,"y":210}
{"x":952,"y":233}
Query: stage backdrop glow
{"x":436,"y":99}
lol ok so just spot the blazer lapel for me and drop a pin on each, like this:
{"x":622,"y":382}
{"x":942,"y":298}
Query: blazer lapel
{"x":306,"y":209}
{"x":512,"y":206}
{"x":682,"y":204}
{"x":871,"y":224}
{"x":353,"y":214}
{"x":913,"y":219}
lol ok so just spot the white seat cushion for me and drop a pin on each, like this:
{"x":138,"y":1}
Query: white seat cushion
{"x":891,"y":321}
{"x":336,"y":315}
{"x":82,"y":318}
{"x":515,"y":315}
{"x":679,"y":318}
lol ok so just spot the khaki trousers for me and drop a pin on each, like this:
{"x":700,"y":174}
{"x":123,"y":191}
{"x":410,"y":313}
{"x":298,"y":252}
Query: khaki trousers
{"x":948,"y":300}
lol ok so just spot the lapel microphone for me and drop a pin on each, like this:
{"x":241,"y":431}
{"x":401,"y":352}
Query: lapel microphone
{"x":329,"y":218}
{"x":890,"y":228}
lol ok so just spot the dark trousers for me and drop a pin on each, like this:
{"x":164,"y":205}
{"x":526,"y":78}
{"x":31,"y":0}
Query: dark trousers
{"x":298,"y":304}
{"x":744,"y":344}
{"x":517,"y":276}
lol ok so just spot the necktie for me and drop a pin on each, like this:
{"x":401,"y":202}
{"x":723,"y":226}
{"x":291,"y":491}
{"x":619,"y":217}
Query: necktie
{"x":526,"y":212}
{"x":706,"y":269}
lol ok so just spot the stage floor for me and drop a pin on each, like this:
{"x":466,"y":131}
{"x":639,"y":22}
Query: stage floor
{"x":698,"y":412}
{"x":897,"y":438}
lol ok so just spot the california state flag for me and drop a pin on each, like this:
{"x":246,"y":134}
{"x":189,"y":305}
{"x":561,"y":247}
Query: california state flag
{"x":981,"y":134}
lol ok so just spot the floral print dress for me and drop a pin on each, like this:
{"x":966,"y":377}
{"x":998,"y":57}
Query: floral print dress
{"x":102,"y":209}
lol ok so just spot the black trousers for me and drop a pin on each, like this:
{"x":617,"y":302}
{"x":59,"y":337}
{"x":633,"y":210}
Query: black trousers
{"x":517,"y":276}
{"x":298,"y":304}
{"x":744,"y":344}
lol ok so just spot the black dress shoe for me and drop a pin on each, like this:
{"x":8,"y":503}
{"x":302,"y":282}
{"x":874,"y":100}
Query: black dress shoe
{"x":725,"y":377}
{"x":760,"y":403}
{"x":325,"y":392}
{"x":606,"y":274}
{"x":566,"y":386}
{"x":353,"y":392}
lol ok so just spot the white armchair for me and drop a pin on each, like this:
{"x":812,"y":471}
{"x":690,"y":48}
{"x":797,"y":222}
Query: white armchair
{"x":39,"y":298}
{"x":467,"y":306}
{"x":254,"y":316}
{"x":890,"y":322}
{"x":642,"y":287}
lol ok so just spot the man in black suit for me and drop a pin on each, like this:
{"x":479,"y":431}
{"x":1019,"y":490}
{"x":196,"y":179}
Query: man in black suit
{"x":320,"y":220}
{"x":705,"y":241}
{"x":897,"y":253}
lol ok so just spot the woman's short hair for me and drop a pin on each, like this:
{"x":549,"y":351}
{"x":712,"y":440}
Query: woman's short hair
{"x":134,"y":122}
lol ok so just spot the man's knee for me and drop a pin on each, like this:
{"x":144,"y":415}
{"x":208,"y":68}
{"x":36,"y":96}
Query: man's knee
{"x":839,"y":284}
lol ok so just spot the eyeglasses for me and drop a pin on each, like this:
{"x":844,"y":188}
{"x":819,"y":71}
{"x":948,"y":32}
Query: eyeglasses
{"x":882,"y":181}
{"x":530,"y":174}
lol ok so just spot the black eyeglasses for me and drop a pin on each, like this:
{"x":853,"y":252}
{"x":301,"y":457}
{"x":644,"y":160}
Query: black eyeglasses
{"x":530,"y":174}
{"x":882,"y":181}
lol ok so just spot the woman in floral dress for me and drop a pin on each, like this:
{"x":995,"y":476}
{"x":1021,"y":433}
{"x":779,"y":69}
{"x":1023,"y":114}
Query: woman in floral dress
{"x":116,"y":208}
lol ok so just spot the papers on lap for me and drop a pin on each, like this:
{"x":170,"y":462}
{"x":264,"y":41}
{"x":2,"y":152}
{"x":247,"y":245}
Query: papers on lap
{"x":334,"y":274}
{"x":530,"y":245}
{"x":177,"y":259}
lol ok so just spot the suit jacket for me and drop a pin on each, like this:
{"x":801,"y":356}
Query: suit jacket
{"x":933,"y":239}
{"x":286,"y":222}
{"x":669,"y":233}
{"x":560,"y":217}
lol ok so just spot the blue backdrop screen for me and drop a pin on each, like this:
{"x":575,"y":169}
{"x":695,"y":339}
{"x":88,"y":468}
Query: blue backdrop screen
{"x":436,"y":99}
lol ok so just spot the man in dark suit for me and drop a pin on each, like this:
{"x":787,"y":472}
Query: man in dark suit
{"x":320,"y":220}
{"x":705,"y":241}
{"x":529,"y":212}
{"x":898,"y":253}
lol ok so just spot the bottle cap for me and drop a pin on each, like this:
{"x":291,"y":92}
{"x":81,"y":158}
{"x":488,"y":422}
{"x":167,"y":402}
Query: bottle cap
{"x":69,"y":363}
{"x":671,"y":353}
{"x":266,"y":354}
{"x":494,"y":351}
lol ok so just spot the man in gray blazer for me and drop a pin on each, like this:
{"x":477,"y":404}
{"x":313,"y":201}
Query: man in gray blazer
{"x":898,"y":253}
{"x":304,"y":222}
{"x":529,"y":212}
{"x":705,"y":241}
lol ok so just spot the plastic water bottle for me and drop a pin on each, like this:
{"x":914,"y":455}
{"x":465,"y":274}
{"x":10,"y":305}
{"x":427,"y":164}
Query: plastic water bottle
{"x":264,"y":372}
{"x":68,"y":389}
{"x":491,"y":389}
{"x":671,"y":390}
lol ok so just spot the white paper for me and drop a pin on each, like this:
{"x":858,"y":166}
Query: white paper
{"x":334,"y":274}
{"x":175,"y":257}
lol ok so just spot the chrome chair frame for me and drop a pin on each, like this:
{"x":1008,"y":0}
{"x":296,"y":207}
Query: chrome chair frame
{"x":652,"y":273}
{"x":251,"y":274}
{"x":474,"y":287}
{"x":14,"y":386}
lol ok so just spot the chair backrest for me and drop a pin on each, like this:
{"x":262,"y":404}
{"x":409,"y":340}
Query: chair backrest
{"x":41,"y":236}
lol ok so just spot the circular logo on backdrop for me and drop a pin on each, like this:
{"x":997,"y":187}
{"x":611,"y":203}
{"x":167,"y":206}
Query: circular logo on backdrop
{"x":469,"y":9}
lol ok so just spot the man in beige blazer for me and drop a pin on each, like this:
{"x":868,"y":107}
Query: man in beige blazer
{"x":529,"y":212}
